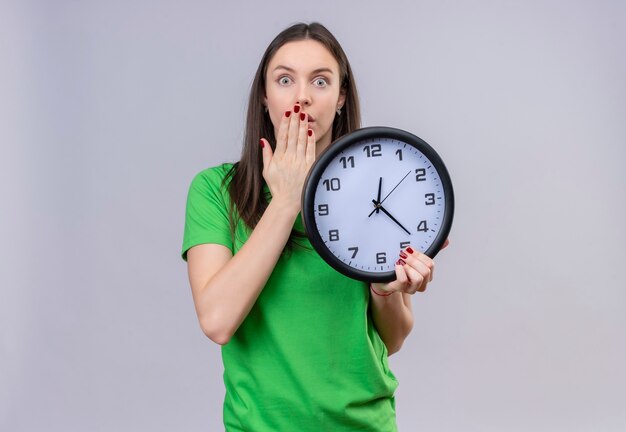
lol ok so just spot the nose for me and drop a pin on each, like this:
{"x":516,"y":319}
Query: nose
{"x":303,"y":96}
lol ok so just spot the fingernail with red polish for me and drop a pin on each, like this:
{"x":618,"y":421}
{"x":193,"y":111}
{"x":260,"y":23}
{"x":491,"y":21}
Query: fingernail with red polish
{"x":262,"y":143}
{"x":409,"y":250}
{"x":403,"y":255}
{"x":302,"y":116}
{"x":400,"y":262}
{"x":310,"y":132}
{"x":287,"y":113}
{"x":296,"y":109}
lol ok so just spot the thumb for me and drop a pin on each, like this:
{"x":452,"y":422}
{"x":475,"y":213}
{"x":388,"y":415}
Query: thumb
{"x":267,"y":152}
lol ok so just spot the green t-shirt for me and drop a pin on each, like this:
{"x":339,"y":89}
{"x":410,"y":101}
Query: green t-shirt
{"x":307,"y":357}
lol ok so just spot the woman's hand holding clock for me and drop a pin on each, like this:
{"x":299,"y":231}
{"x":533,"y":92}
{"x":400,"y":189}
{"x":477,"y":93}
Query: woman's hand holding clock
{"x":285,"y":168}
{"x":414,"y":271}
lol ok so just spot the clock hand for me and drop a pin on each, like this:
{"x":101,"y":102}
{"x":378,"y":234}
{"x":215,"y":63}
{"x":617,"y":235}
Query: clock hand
{"x":379,"y":206}
{"x":380,"y":184}
{"x":375,"y":210}
{"x":395,"y":187}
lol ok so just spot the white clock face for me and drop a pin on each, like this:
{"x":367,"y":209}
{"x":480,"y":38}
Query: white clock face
{"x":367,"y":231}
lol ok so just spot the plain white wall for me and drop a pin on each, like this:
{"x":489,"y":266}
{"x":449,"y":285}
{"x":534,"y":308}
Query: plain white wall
{"x":108,"y":109}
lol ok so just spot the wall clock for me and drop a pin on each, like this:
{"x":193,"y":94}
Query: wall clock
{"x":372,"y":193}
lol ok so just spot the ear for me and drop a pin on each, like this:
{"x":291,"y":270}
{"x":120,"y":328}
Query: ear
{"x":342,"y":98}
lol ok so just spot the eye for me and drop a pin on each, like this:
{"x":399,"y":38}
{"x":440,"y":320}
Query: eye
{"x":284,"y":80}
{"x":320,"y":82}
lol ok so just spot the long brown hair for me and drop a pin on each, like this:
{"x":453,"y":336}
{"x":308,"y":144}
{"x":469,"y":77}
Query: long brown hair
{"x":246,"y":186}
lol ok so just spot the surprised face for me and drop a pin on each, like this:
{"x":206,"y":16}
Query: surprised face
{"x":305,"y":73}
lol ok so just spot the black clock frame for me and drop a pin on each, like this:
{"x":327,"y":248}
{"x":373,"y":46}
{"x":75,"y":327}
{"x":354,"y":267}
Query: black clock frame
{"x":329,"y":154}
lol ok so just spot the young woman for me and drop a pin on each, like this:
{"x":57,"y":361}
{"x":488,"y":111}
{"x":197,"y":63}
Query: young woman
{"x":304,"y":348}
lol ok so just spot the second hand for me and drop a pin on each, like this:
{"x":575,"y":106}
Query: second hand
{"x":380,"y":202}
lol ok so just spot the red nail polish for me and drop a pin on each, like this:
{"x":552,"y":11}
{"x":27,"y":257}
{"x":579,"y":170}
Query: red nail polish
{"x":287,"y":113}
{"x":302,"y":116}
{"x":400,"y":262}
{"x":296,"y":109}
{"x":409,"y":250}
{"x":262,"y":143}
{"x":310,"y":132}
{"x":403,"y":255}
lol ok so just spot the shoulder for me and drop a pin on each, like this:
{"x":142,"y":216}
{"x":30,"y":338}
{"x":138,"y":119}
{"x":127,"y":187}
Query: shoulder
{"x":212,"y":176}
{"x":207,"y":211}
{"x":210,"y":186}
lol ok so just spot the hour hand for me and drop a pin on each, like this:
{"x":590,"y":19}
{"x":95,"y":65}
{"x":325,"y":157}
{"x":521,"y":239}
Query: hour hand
{"x":377,"y":200}
{"x":379,"y":206}
{"x":380,"y":186}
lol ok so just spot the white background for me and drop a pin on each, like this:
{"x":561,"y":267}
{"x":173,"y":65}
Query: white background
{"x":108,"y":110}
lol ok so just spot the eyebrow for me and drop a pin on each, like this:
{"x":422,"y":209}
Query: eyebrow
{"x":287,"y":68}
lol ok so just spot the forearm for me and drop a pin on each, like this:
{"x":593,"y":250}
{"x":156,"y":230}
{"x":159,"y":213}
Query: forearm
{"x":392,"y":318}
{"x":230,"y":294}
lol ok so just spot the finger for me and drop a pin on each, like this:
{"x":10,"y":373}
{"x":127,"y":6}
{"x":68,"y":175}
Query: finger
{"x":310,"y":147}
{"x":302,"y":135}
{"x":422,"y":262}
{"x":445,"y":244}
{"x":292,"y":135}
{"x":428,"y":261}
{"x":416,"y":279}
{"x":401,"y":276}
{"x":425,"y":266}
{"x":396,"y":285}
{"x":283,"y":129}
{"x":421,"y":268}
{"x":267,"y":153}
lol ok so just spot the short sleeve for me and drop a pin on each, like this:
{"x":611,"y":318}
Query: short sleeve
{"x":207,"y":212}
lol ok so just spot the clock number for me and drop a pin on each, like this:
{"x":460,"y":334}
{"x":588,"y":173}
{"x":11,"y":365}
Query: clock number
{"x":373,"y":151}
{"x":332,"y":184}
{"x":322,"y":210}
{"x":333,"y":235}
{"x":422,"y":226}
{"x":354,"y":250}
{"x":404,"y":245}
{"x":345,"y":161}
{"x":420,"y":174}
{"x":430,"y":199}
{"x":399,"y":153}
{"x":381,"y":258}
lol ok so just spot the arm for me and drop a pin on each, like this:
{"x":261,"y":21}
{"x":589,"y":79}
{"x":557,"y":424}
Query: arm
{"x":392,"y":313}
{"x":393,"y":318}
{"x":225,"y":287}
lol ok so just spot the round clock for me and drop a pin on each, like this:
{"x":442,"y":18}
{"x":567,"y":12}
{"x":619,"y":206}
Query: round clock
{"x":372,"y":193}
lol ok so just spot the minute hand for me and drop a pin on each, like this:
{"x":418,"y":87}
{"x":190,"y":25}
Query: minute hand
{"x":394,"y":188}
{"x":379,"y":206}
